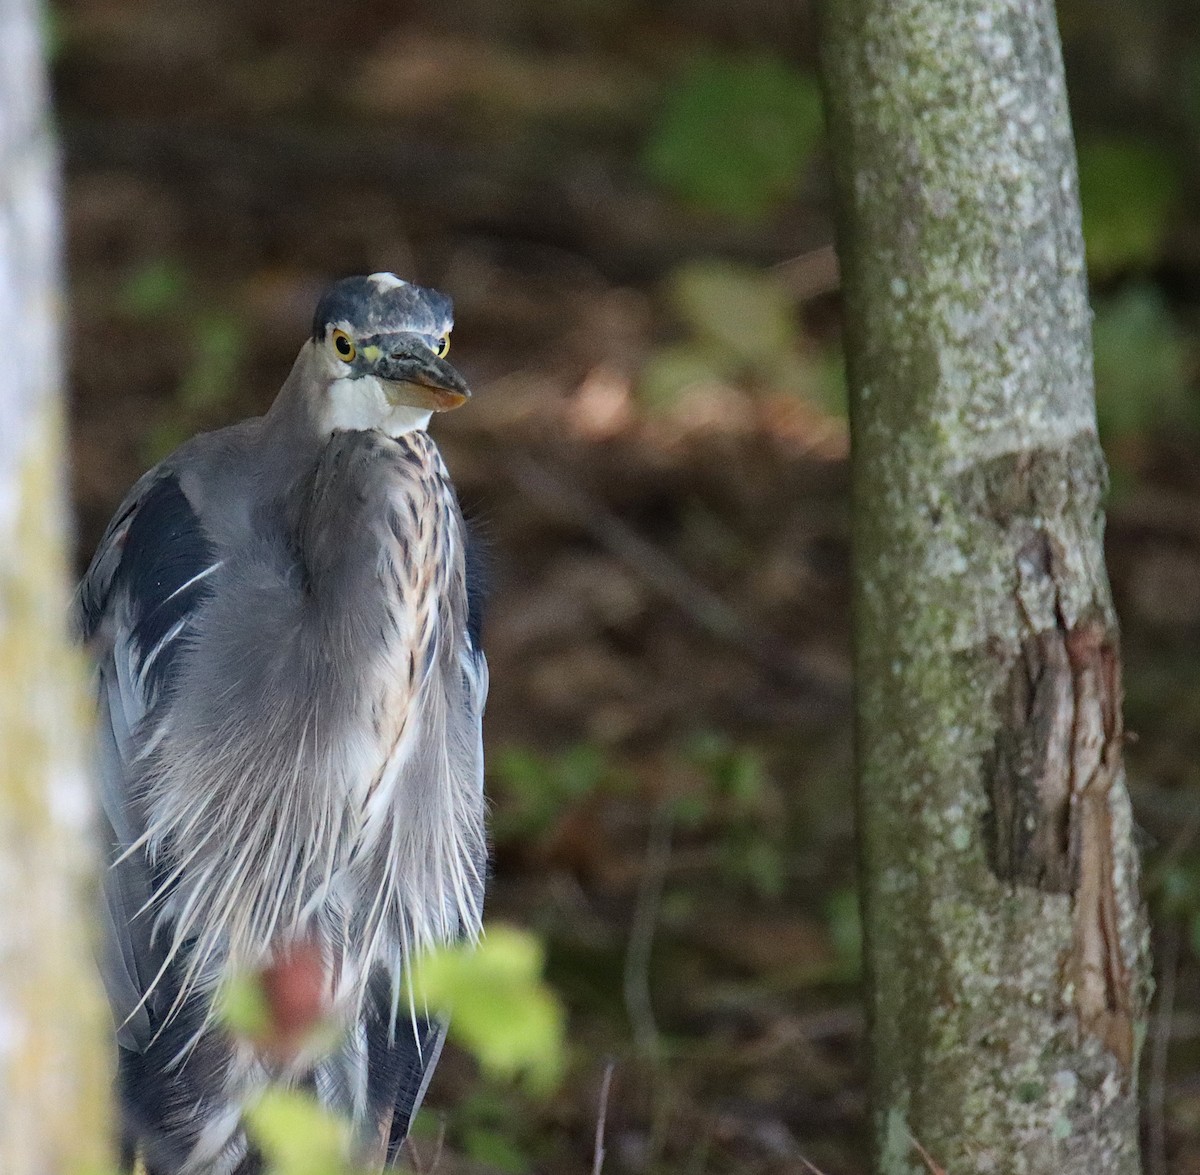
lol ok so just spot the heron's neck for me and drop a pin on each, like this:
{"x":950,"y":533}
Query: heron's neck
{"x":361,"y":404}
{"x":310,"y":408}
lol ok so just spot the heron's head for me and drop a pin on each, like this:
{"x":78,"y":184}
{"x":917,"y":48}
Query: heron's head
{"x":378,"y":354}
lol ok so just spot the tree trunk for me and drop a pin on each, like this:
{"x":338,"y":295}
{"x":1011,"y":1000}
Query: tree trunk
{"x":53,"y":1080}
{"x":1006,"y":943}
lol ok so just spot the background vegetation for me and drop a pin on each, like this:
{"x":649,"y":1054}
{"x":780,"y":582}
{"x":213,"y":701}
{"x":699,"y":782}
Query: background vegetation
{"x":628,"y":202}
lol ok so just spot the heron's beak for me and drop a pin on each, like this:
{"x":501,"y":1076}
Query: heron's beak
{"x":413,"y":376}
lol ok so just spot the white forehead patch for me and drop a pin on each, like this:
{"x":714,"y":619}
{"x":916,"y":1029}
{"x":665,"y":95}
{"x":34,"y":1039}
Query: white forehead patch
{"x":386,"y":281}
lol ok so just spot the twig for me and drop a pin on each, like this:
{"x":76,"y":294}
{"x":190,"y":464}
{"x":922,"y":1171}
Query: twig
{"x":440,"y":1146}
{"x":638,"y":1003}
{"x":414,"y":1156}
{"x":641,"y":938}
{"x":667,"y":578}
{"x":811,"y":1168}
{"x":601,"y":1118}
{"x":934,"y":1168}
{"x":1156,"y":1094}
{"x":811,"y":274}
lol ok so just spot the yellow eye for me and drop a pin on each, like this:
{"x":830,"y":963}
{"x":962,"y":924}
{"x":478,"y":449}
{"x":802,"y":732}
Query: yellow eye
{"x":343,"y":345}
{"x":443,"y":347}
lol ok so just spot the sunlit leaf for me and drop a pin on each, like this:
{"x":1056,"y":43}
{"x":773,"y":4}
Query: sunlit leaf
{"x":244,"y":1006}
{"x":499,"y":1007}
{"x":735,"y":134}
{"x":298,"y":1136}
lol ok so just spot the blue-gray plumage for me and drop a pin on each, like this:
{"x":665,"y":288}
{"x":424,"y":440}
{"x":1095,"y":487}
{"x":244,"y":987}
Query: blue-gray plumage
{"x":285,"y":620}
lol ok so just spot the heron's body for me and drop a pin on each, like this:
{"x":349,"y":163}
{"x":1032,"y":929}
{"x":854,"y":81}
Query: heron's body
{"x":291,"y":691}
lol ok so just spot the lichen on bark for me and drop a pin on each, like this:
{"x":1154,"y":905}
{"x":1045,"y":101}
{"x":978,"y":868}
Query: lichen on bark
{"x":53,"y":1055}
{"x":1005,"y":938}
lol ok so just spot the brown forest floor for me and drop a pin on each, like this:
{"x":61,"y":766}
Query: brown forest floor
{"x":668,"y":632}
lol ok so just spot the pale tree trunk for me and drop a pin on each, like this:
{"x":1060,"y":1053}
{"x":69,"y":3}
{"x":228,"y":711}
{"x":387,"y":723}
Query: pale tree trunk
{"x":1006,"y":942}
{"x":53,"y":1078}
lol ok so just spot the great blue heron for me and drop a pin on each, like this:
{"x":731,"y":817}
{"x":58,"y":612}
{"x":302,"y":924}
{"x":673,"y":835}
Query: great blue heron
{"x":285,"y":618}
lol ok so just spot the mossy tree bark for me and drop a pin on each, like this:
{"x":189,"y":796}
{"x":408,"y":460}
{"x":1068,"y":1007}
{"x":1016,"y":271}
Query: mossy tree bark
{"x":53,"y":1071}
{"x":1006,"y":942}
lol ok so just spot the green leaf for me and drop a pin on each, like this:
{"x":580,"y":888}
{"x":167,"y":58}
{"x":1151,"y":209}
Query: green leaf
{"x":499,"y":1008}
{"x":735,"y":133}
{"x":1141,"y":366}
{"x":1129,"y":193}
{"x":298,"y":1136}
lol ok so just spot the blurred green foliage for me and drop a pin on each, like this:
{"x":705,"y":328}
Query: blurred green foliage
{"x":741,"y":803}
{"x":1142,"y":367}
{"x":532,"y":789}
{"x":158,"y":295}
{"x":489,"y":1127}
{"x":1189,"y":86}
{"x":746,"y":314}
{"x":1176,"y":896}
{"x":845,"y":929}
{"x":158,"y":288}
{"x":217,"y":349}
{"x":1130,"y":191}
{"x":740,"y":326}
{"x":735,"y":134}
{"x":831,"y":387}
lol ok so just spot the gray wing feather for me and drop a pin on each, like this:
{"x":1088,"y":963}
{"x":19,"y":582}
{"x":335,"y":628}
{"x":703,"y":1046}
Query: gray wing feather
{"x":134,"y":605}
{"x":127,"y":883}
